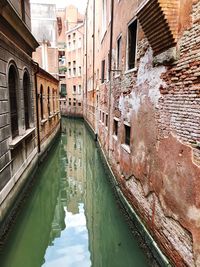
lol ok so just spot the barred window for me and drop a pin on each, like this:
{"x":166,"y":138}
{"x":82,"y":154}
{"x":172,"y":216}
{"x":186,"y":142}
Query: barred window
{"x":12,"y":84}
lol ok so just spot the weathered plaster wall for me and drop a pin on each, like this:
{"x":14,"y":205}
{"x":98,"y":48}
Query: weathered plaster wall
{"x":159,"y":172}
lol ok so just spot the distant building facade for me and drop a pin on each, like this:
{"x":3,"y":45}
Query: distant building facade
{"x":70,"y":36}
{"x":44,"y":28}
{"x":141,"y":97}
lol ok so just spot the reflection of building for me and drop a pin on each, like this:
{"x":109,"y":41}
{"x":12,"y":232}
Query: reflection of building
{"x":44,"y":28}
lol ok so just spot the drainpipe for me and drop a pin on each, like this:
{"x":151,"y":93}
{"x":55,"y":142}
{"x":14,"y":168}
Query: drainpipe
{"x":36,"y":102}
{"x":110,"y":76}
{"x":93,"y":35}
{"x":86,"y":61}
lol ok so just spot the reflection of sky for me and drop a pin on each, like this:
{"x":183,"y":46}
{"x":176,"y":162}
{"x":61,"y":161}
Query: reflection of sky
{"x":71,"y":249}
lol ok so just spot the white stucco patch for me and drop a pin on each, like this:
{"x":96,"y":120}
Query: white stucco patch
{"x":147,"y":77}
{"x":194,"y":214}
{"x":150,"y":75}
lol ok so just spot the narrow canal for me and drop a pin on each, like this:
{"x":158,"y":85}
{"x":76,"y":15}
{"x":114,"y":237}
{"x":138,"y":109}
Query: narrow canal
{"x":71,"y":218}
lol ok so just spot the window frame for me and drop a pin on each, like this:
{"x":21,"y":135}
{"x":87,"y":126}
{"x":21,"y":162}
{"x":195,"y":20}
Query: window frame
{"x":128,"y":68}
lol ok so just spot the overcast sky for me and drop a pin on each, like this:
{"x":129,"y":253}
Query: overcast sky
{"x":81,"y":4}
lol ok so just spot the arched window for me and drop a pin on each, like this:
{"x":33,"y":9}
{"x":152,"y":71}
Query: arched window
{"x":26,"y":89}
{"x":41,"y":102}
{"x":48,"y":99}
{"x":12,"y":84}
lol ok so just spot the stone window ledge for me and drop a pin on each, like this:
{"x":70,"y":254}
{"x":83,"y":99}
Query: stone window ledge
{"x":51,"y":116}
{"x":115,"y":137}
{"x":17,"y":140}
{"x":130,"y":71}
{"x":126,"y":148}
{"x":42,"y":122}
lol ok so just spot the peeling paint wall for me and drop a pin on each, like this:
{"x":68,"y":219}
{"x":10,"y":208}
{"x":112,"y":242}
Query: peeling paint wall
{"x":160,"y":99}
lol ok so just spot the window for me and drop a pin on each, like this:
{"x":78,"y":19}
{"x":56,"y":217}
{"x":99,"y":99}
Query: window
{"x":74,"y":89}
{"x":69,"y":103}
{"x":41,"y":102}
{"x":26,"y":90}
{"x":69,"y":37}
{"x":23,"y":10}
{"x":108,"y":66}
{"x":104,"y":12}
{"x":74,"y":44}
{"x":63,"y":90}
{"x":106,"y":120}
{"x":132,"y":36}
{"x":119,"y":56}
{"x":79,"y":104}
{"x":53,"y":99}
{"x":74,"y":35}
{"x":74,"y":104}
{"x":79,"y":43}
{"x":115,"y":127}
{"x":79,"y":69}
{"x":69,"y":73}
{"x":79,"y":89}
{"x":74,"y":71}
{"x":127,"y":134}
{"x":48,"y":101}
{"x":103,"y":117}
{"x":12,"y":84}
{"x":102,"y":71}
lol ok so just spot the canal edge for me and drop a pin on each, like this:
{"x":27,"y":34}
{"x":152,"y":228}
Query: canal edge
{"x":24,"y":190}
{"x":143,"y":231}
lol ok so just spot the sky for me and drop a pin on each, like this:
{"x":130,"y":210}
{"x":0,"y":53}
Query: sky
{"x":81,"y":4}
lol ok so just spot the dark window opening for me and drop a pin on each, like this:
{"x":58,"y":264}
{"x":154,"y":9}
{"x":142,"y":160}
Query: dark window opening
{"x":41,"y":102}
{"x":26,"y":89}
{"x":127,"y":134}
{"x":63,"y":90}
{"x":79,"y":104}
{"x":74,"y":103}
{"x":23,"y":10}
{"x":103,"y":117}
{"x":132,"y":35}
{"x":119,"y":43}
{"x":106,"y":120}
{"x":102,"y":71}
{"x":115,"y":128}
{"x":48,"y":101}
{"x":12,"y":83}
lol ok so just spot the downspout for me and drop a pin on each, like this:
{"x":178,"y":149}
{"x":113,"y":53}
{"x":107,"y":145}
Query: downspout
{"x":93,"y":72}
{"x":86,"y":62}
{"x":36,"y":102}
{"x":110,"y":76}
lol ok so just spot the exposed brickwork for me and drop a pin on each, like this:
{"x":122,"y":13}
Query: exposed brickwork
{"x":159,"y":172}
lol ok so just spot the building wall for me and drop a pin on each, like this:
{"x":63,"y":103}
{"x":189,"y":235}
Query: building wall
{"x":49,"y":122}
{"x":44,"y":28}
{"x":71,"y":36}
{"x":158,"y":99}
{"x":19,"y":150}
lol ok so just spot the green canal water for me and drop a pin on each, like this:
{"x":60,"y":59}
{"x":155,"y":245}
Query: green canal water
{"x":71,"y":218}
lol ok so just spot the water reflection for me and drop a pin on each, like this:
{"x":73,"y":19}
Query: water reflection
{"x":71,"y":219}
